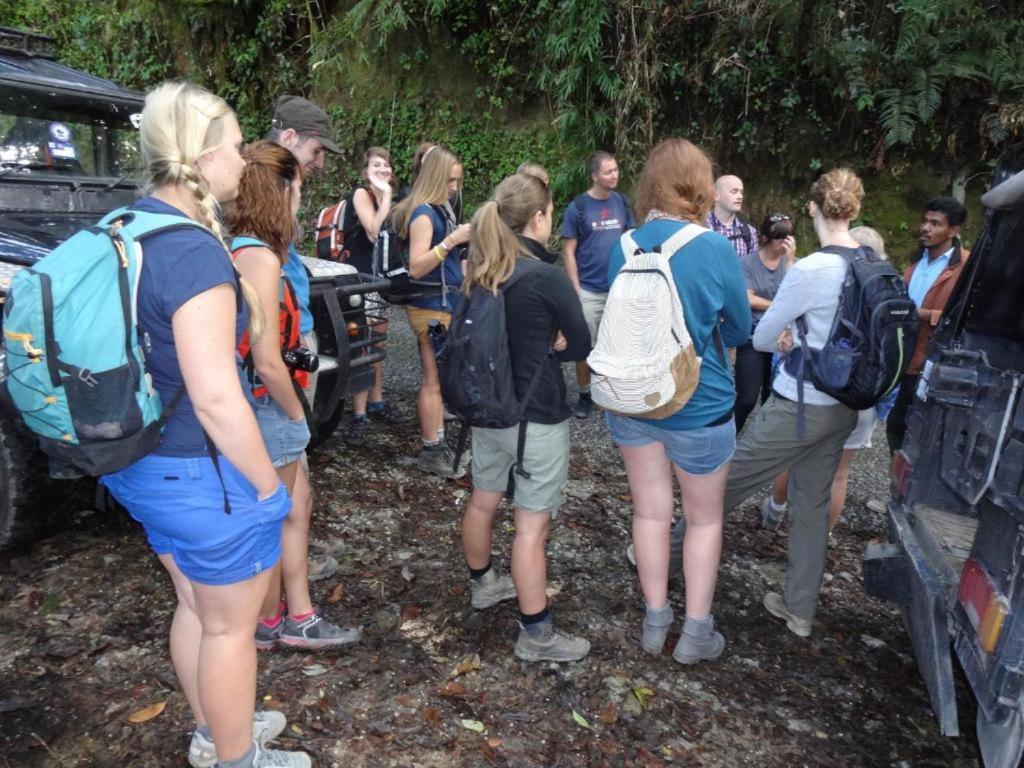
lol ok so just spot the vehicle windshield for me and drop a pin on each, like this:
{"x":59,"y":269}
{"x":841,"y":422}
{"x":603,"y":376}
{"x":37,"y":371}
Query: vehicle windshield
{"x":50,"y":135}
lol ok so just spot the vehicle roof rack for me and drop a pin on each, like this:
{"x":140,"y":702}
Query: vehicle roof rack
{"x":30,"y":44}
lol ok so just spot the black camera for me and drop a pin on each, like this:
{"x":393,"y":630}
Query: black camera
{"x":301,"y":359}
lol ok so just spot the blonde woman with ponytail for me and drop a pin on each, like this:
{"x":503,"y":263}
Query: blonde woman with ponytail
{"x":208,"y":496}
{"x":427,"y":222}
{"x":547,"y":328}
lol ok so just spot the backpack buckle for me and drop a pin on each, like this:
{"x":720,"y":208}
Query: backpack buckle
{"x":85,"y":376}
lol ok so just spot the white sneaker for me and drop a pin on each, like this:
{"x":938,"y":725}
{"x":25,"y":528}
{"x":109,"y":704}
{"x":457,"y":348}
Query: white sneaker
{"x":266,"y":726}
{"x":276,"y":758}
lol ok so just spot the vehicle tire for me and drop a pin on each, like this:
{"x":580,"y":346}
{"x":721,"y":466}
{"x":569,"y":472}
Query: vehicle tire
{"x":323,"y":429}
{"x":31,"y":502}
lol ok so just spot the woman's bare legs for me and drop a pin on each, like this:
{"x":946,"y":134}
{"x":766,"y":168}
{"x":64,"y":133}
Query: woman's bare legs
{"x":429,"y":405}
{"x":703,"y":508}
{"x":186,"y":632}
{"x":650,"y":483}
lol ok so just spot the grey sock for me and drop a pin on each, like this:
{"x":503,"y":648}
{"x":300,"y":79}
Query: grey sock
{"x":245,"y":761}
{"x":659,"y":617}
{"x":698,"y":627}
{"x":204,"y":731}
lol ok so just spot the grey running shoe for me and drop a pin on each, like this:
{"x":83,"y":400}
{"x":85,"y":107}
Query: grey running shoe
{"x":776,"y":606}
{"x":439,"y":460}
{"x":275,"y":758}
{"x":266,"y":638}
{"x":584,"y":407}
{"x":266,"y":726}
{"x":771,"y":518}
{"x":316,"y":633}
{"x":655,"y":629}
{"x":698,"y":642}
{"x":355,"y":433}
{"x":548,"y":643}
{"x":321,"y":567}
{"x":675,"y":555}
{"x":490,"y":589}
{"x":877,"y":506}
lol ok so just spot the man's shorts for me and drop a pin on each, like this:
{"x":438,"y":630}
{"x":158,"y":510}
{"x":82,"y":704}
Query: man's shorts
{"x":861,"y":435}
{"x":593,"y":310}
{"x":546,"y":458}
{"x":286,"y":440}
{"x":180,"y":503}
{"x":695,"y":451}
{"x":419,"y":320}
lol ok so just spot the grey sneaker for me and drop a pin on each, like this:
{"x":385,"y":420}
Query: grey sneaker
{"x":490,"y":589}
{"x":439,"y":460}
{"x":355,"y":433}
{"x":321,"y":567}
{"x":266,"y":638}
{"x":776,"y":606}
{"x":316,"y":633}
{"x":877,"y":506}
{"x":698,"y":642}
{"x":275,"y":758}
{"x":548,"y":643}
{"x":655,"y":629}
{"x":771,"y":518}
{"x":266,"y":726}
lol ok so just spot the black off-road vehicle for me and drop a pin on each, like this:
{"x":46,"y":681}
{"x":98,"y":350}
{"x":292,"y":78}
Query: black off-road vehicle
{"x":68,"y":152}
{"x":955,"y":560}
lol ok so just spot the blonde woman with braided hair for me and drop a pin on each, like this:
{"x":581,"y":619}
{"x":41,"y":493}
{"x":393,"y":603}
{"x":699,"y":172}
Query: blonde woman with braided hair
{"x":507,"y":243}
{"x":208,"y":496}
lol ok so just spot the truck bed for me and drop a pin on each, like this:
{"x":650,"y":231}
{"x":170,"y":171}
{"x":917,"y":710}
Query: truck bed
{"x":949,"y":537}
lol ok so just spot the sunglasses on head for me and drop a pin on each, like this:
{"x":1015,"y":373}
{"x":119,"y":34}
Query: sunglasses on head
{"x":775,"y":218}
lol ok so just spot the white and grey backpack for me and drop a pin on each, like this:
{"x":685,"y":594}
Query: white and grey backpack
{"x":644,"y":361}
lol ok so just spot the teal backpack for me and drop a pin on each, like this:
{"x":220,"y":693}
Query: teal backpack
{"x":74,"y":368}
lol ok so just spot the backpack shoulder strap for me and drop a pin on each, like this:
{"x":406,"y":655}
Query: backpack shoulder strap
{"x":628,"y":244}
{"x":681,"y":238}
{"x":578,"y":202}
{"x":243,"y":241}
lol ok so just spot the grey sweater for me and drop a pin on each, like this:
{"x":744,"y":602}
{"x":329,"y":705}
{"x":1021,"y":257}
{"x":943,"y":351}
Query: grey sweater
{"x":810,"y":288}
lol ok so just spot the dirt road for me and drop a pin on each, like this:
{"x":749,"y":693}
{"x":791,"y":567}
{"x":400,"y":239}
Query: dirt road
{"x":84,"y":618}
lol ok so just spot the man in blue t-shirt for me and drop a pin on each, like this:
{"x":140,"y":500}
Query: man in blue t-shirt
{"x":592,"y":225}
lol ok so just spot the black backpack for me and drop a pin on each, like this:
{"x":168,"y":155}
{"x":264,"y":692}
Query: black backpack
{"x":871,"y":341}
{"x":391,"y":262}
{"x":475,"y":366}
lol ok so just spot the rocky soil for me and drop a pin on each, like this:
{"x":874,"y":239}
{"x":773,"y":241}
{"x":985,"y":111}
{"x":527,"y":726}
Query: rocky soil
{"x":84,"y":618}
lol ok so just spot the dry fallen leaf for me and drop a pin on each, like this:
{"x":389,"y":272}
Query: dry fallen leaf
{"x":147,"y":713}
{"x":433,"y":717}
{"x":453,"y":690}
{"x":609,"y":714}
{"x":494,"y":743}
{"x":642,"y":694}
{"x":468,"y":664}
{"x":580,"y":720}
{"x":473,"y":725}
{"x":336,"y":594}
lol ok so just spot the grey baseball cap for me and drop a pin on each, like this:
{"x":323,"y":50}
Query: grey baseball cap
{"x":306,"y":118}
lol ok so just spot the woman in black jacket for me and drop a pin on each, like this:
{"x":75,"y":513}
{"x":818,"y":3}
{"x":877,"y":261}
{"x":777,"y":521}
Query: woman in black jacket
{"x":541,"y":307}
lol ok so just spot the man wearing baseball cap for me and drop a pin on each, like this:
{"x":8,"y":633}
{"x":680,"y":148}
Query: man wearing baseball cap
{"x":302,"y":127}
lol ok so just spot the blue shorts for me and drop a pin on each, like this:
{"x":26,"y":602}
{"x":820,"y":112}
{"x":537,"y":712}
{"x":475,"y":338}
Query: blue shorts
{"x":695,"y":451}
{"x":180,"y":503}
{"x":286,"y":440}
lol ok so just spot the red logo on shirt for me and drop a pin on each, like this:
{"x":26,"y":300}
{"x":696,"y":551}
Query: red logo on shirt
{"x":605,"y":213}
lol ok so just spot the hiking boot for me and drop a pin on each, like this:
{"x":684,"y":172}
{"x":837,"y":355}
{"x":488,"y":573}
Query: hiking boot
{"x":266,"y":637}
{"x":388,"y":415}
{"x":771,"y":518}
{"x":266,"y":726}
{"x":490,"y":589}
{"x":584,"y":407}
{"x":699,"y":642}
{"x":545,"y":642}
{"x":355,"y":433}
{"x":655,"y":629}
{"x":439,"y":460}
{"x":776,"y":606}
{"x":276,"y":758}
{"x":321,"y":567}
{"x":325,"y":547}
{"x":315,"y":633}
{"x":877,"y":506}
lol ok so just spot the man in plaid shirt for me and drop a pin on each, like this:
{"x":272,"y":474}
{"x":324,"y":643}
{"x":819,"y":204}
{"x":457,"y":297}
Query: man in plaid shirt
{"x":724,"y":217}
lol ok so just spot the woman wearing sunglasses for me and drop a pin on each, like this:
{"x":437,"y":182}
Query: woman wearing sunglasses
{"x":763,"y":271}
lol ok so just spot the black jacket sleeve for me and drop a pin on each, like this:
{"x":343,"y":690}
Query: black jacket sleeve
{"x":565,"y":306}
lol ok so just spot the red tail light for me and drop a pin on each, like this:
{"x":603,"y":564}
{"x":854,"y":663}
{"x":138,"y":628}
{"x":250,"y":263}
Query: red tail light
{"x":899,"y":474}
{"x":985,"y":606}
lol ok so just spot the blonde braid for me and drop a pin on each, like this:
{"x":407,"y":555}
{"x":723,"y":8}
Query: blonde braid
{"x":206,"y":209}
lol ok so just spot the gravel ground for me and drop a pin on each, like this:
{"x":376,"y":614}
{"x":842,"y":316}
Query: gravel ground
{"x":85,"y":679}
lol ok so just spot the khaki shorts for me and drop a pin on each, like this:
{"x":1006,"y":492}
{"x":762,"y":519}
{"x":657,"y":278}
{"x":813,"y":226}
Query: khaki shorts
{"x":593,"y":311}
{"x":546,"y":458}
{"x":419,"y":320}
{"x":861,"y":435}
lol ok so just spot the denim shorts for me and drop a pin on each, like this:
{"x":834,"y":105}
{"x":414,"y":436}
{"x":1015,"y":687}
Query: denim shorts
{"x":286,"y":440}
{"x":695,"y":451}
{"x":180,"y":503}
